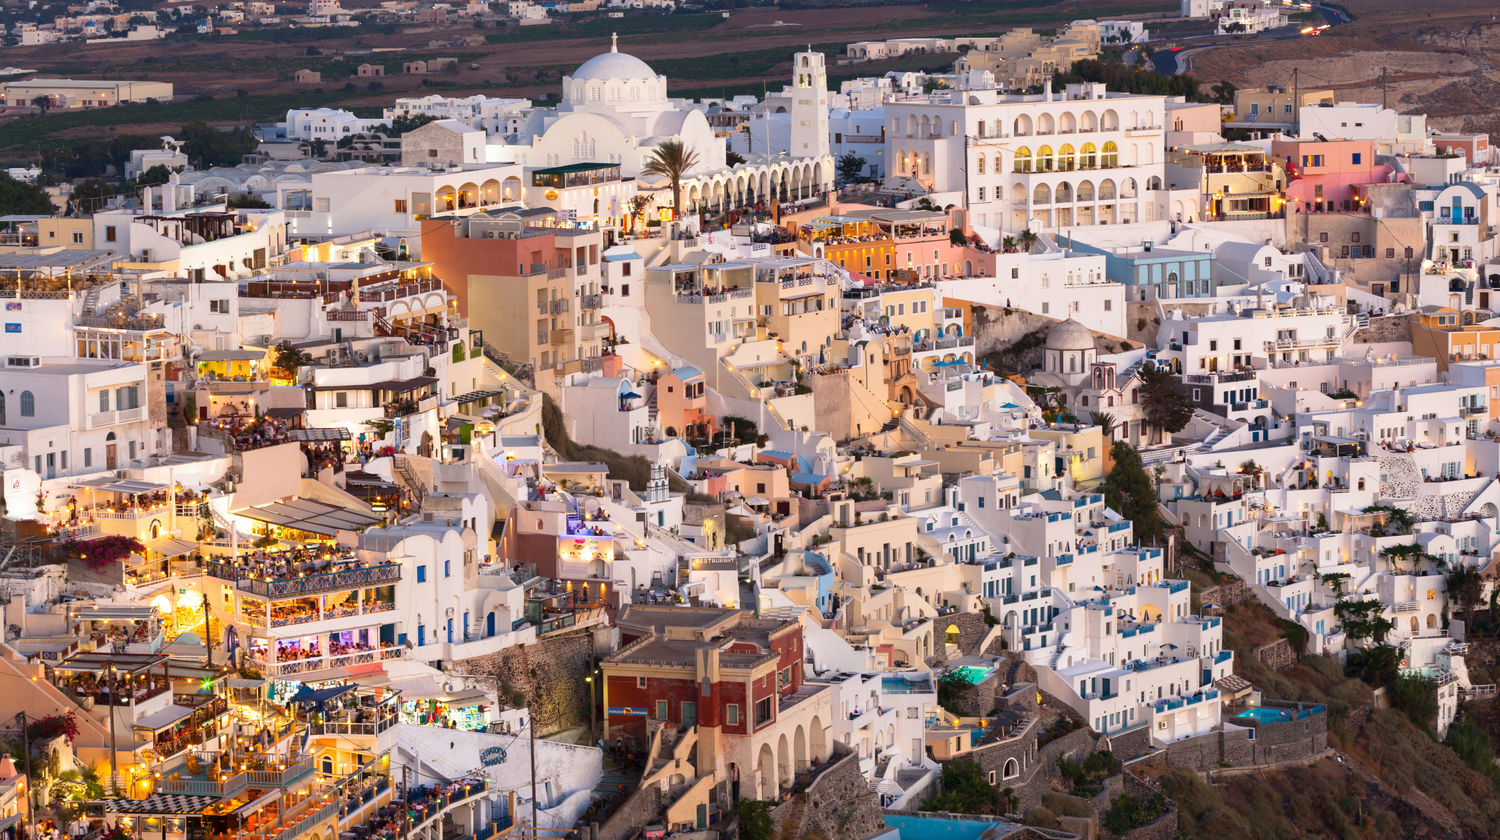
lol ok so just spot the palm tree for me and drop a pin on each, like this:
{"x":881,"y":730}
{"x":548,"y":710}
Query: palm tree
{"x":1008,"y":244}
{"x":671,"y":160}
{"x":1028,"y":240}
{"x":1105,"y":422}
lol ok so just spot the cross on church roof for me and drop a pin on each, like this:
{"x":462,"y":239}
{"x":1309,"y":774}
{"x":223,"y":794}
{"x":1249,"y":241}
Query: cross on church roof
{"x":614,"y":42}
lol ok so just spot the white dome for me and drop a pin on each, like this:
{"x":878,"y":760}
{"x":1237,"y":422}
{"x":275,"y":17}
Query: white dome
{"x":1070,"y":335}
{"x":613,"y":66}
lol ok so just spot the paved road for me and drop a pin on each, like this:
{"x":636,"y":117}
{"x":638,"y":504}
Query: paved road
{"x":1170,"y":62}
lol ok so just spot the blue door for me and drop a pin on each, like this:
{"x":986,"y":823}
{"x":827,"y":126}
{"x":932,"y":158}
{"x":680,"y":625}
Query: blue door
{"x":421,"y":635}
{"x":466,"y":624}
{"x":450,"y":631}
{"x":489,"y":625}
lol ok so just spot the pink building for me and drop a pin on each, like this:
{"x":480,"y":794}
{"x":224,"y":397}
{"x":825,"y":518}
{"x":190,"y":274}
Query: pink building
{"x":1323,"y":174}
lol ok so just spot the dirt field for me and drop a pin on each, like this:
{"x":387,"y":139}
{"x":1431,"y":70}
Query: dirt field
{"x":698,"y":54}
{"x":1438,"y":62}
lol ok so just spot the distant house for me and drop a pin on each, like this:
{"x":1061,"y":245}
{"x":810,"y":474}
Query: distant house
{"x":367,"y":71}
{"x":308,"y":77}
{"x":414,"y":67}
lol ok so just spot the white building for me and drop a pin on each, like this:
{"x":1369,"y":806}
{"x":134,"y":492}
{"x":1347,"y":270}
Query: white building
{"x":1042,"y":162}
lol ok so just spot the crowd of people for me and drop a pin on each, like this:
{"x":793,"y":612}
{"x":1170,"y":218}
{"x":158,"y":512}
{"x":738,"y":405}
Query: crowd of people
{"x":290,"y":562}
{"x":246,"y":431}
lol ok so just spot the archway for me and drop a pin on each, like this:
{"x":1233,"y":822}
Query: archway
{"x":799,"y":749}
{"x":817,"y":748}
{"x":783,"y":761}
{"x":766,"y":766}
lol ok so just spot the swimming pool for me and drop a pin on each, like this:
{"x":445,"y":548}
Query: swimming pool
{"x":974,"y":674}
{"x":1261,"y":714}
{"x":938,"y":828}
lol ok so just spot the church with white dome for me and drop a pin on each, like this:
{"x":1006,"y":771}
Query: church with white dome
{"x":615,"y":110}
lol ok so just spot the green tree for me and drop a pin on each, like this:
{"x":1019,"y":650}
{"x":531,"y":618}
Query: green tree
{"x":1361,"y":619}
{"x":966,"y":790}
{"x":290,"y":358}
{"x":155,"y":176}
{"x":90,"y":196}
{"x":208,"y":146}
{"x":21,"y":198}
{"x":754,"y":817}
{"x":1029,"y":240}
{"x":733,"y":158}
{"x":1223,"y":92}
{"x":1417,"y":697}
{"x":1466,"y":591}
{"x":672,"y":160}
{"x":1130,"y":492}
{"x":850,"y":166}
{"x":1164,"y":402}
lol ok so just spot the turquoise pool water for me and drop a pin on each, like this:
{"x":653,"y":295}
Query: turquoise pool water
{"x":974,"y":674}
{"x":937,"y":828}
{"x":1264,"y":715}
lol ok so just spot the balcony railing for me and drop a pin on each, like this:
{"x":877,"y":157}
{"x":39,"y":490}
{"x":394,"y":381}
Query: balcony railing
{"x":112,"y":418}
{"x":591,"y":302}
{"x":306,"y":584}
{"x":560,"y":306}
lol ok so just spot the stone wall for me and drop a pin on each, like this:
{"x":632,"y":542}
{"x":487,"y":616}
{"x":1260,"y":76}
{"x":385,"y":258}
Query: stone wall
{"x":978,"y":699}
{"x":1385,"y":328}
{"x":1131,"y":743}
{"x":1278,"y":654}
{"x":1075,"y":745}
{"x":997,"y":328}
{"x":971,"y":630}
{"x":837,"y":805}
{"x":1274,"y":743}
{"x":1163,"y":827}
{"x":1230,"y":593}
{"x":548,"y":674}
{"x":642,"y":808}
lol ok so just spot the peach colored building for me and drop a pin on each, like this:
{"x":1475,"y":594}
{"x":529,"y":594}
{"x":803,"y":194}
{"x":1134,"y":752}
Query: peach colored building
{"x":682,"y":404}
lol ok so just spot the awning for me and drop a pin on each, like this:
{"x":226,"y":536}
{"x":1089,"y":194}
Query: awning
{"x":114,"y":612}
{"x":162,"y":718}
{"x":477,"y":396}
{"x":285,"y":413}
{"x":128,"y":485}
{"x":232,"y":356}
{"x":160,"y":803}
{"x":308,"y":515}
{"x":317,"y":434}
{"x":321,"y":675}
{"x":171,"y":547}
{"x":320,"y":695}
{"x":402,"y":386}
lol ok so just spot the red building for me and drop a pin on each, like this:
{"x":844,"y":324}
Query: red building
{"x":733,"y":679}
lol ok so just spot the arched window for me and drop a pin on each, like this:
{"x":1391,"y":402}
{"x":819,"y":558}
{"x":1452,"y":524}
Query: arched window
{"x":1110,"y":156}
{"x":1023,"y":159}
{"x":1089,"y":158}
{"x":1044,"y":159}
{"x":1012,"y":768}
{"x":28,"y":404}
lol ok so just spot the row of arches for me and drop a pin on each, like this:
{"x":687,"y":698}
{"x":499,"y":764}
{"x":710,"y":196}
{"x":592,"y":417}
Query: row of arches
{"x":470,"y":194}
{"x":792,"y":181}
{"x":1085,"y":191}
{"x":777,"y":768}
{"x":1067,"y":122}
{"x":1066,"y":158}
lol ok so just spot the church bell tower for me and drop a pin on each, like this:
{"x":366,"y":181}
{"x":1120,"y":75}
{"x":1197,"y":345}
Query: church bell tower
{"x":809,"y":105}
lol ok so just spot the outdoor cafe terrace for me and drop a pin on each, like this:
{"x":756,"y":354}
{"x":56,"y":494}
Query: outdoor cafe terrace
{"x":298,"y":571}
